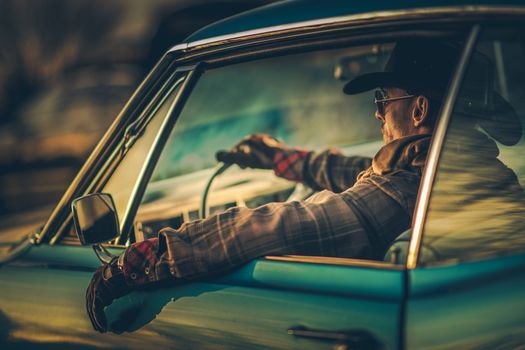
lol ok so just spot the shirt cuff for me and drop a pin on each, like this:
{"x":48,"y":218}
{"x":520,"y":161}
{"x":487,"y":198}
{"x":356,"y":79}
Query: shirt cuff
{"x":139,"y":263}
{"x":289,"y":163}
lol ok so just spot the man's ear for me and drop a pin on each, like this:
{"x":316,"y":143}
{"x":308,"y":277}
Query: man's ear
{"x":420,"y":111}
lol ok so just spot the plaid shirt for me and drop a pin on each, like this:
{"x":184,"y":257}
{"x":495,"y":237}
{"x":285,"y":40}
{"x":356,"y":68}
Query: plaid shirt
{"x":347,"y":218}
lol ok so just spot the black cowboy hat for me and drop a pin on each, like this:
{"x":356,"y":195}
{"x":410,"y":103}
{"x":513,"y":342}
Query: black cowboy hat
{"x":425,"y":67}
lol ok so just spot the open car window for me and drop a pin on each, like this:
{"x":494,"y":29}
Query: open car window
{"x":296,"y":98}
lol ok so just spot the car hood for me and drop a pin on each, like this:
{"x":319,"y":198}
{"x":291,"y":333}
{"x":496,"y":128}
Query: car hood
{"x":15,"y":226}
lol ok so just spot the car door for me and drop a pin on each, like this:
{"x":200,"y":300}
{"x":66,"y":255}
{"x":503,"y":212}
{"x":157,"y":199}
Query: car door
{"x":467,"y":290}
{"x":274,"y":302}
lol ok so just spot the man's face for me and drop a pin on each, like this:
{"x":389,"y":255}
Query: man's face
{"x":396,"y":116}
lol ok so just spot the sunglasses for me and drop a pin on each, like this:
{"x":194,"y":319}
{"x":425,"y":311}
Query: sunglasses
{"x":381,"y":99}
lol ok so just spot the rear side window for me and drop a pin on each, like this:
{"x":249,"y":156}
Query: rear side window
{"x":477,"y":207}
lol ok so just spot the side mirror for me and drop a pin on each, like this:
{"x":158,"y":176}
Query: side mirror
{"x":95,"y":218}
{"x":96,"y":221}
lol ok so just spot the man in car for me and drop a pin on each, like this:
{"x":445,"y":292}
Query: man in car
{"x":362,"y":206}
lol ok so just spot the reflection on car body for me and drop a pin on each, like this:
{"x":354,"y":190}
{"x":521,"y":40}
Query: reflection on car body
{"x":283,"y":75}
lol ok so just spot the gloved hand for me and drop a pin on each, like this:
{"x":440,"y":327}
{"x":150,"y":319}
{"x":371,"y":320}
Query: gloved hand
{"x":255,"y":151}
{"x":107,"y":284}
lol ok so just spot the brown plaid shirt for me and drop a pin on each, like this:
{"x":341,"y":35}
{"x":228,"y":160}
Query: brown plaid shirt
{"x":347,"y":218}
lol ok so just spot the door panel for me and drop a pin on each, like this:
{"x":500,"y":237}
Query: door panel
{"x":43,"y":301}
{"x":468,"y":306}
{"x":255,"y":306}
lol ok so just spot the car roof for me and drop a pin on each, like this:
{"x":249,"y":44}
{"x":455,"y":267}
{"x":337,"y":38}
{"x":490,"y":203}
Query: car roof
{"x":300,"y":11}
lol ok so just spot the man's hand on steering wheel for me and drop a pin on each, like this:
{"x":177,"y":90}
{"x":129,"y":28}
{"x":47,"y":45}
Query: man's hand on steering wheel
{"x":255,"y":151}
{"x":263,"y":151}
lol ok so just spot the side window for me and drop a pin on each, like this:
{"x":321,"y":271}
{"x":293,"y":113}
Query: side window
{"x":296,"y":98}
{"x":477,"y":206}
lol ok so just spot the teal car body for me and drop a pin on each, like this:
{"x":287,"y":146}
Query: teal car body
{"x":411,"y":300}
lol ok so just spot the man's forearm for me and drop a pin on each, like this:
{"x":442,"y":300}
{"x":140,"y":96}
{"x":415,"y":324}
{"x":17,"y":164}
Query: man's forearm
{"x":327,"y":224}
{"x":333,"y":171}
{"x":325,"y":170}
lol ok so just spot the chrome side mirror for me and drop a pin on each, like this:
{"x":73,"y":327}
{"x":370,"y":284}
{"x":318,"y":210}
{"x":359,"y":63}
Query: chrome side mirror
{"x":96,"y":222}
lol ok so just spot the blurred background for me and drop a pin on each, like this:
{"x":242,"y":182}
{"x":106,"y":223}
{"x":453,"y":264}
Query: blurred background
{"x":66,"y":69}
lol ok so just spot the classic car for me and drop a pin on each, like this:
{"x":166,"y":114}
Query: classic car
{"x":455,"y":280}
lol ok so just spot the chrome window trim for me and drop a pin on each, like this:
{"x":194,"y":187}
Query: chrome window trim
{"x":429,"y":173}
{"x":178,"y":47}
{"x":179,"y":81}
{"x":156,"y":148}
{"x":362,"y":18}
{"x":335,"y":261}
{"x":148,"y":112}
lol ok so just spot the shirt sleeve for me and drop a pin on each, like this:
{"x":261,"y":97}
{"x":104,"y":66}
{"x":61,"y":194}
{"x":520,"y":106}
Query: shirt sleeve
{"x":360,"y":223}
{"x":326,"y":170}
{"x":333,"y":171}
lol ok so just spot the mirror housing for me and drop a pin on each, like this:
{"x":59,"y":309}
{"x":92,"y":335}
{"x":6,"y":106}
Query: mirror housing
{"x":95,"y":218}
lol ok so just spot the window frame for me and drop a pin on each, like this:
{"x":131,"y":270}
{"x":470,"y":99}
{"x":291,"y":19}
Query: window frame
{"x":105,"y":157}
{"x":156,"y":149}
{"x":176,"y":81}
{"x":194,"y":66}
{"x":217,"y":62}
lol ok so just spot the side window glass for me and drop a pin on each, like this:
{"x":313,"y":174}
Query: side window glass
{"x":122,"y":183}
{"x":477,"y":207}
{"x":296,"y":98}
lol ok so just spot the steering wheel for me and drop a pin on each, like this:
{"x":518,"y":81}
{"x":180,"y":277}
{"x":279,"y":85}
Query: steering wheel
{"x":299,"y":192}
{"x":205,"y":209}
